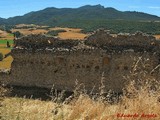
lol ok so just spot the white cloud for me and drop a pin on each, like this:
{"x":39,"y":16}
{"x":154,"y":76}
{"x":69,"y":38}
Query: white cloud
{"x":154,"y":7}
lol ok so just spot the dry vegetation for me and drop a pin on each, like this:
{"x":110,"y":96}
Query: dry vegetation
{"x":5,"y":63}
{"x":27,"y":29}
{"x":144,"y":104}
{"x":30,"y":31}
{"x":4,"y":37}
{"x":157,"y":37}
{"x":71,"y":33}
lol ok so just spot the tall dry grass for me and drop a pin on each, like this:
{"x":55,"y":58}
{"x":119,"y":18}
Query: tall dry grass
{"x":144,"y":104}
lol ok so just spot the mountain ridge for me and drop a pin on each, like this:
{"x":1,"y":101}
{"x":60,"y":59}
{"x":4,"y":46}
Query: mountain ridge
{"x":89,"y":18}
{"x":56,"y":16}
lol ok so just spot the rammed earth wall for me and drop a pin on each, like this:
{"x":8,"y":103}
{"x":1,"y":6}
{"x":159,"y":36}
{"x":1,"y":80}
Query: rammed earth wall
{"x":42,"y":61}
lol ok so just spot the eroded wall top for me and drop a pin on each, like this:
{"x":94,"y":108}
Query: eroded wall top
{"x":139,"y":40}
{"x":99,"y":39}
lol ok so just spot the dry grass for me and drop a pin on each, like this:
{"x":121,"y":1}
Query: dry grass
{"x":30,"y":31}
{"x":157,"y":37}
{"x":145,"y":104}
{"x":67,"y":29}
{"x":6,"y":63}
{"x":3,"y":47}
{"x":71,"y":33}
{"x":4,"y":35}
{"x":23,"y":109}
{"x":143,"y":101}
{"x":4,"y":50}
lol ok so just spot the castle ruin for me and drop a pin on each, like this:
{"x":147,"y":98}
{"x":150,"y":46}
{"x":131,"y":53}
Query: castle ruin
{"x":41,"y":61}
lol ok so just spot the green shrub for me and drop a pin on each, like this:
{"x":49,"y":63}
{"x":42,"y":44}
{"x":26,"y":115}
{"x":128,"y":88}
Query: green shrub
{"x":1,"y":56}
{"x":17,"y":34}
{"x":55,"y":32}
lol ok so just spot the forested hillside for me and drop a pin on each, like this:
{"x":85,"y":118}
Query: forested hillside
{"x":90,"y":18}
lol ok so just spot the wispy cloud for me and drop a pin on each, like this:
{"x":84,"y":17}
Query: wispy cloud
{"x":154,"y":7}
{"x":134,"y":6}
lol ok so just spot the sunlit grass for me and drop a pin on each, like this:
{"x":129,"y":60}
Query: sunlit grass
{"x":145,"y":105}
{"x":157,"y":37}
{"x":5,"y":41}
{"x":5,"y":63}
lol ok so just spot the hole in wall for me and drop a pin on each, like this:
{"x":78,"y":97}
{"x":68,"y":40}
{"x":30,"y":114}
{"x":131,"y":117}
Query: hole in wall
{"x":55,"y":71}
{"x":96,"y":68}
{"x":126,"y":68}
{"x":118,"y":68}
{"x":77,"y":66}
{"x":88,"y":66}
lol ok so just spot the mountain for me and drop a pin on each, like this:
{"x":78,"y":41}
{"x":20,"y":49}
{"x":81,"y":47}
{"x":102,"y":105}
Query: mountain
{"x":90,"y":18}
{"x":55,"y":16}
{"x":2,"y":21}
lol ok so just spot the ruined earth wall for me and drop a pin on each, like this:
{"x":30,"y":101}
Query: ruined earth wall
{"x":47,"y":61}
{"x":43,"y":69}
{"x":139,"y":40}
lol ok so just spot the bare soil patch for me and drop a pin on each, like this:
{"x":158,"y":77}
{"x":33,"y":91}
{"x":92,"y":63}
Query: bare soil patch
{"x":157,"y":37}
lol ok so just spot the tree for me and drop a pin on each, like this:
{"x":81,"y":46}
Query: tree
{"x":17,"y":34}
{"x":8,"y":45}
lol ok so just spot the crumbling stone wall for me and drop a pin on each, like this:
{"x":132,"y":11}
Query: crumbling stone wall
{"x":138,"y":41}
{"x":34,"y":42}
{"x":63,"y":62}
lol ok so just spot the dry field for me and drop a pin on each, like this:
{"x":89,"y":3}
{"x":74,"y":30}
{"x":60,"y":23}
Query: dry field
{"x":6,"y":63}
{"x":4,"y":35}
{"x":30,"y":31}
{"x":71,"y":33}
{"x":157,"y":37}
{"x":144,"y":106}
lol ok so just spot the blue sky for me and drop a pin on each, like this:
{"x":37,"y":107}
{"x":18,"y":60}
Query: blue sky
{"x":10,"y":8}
